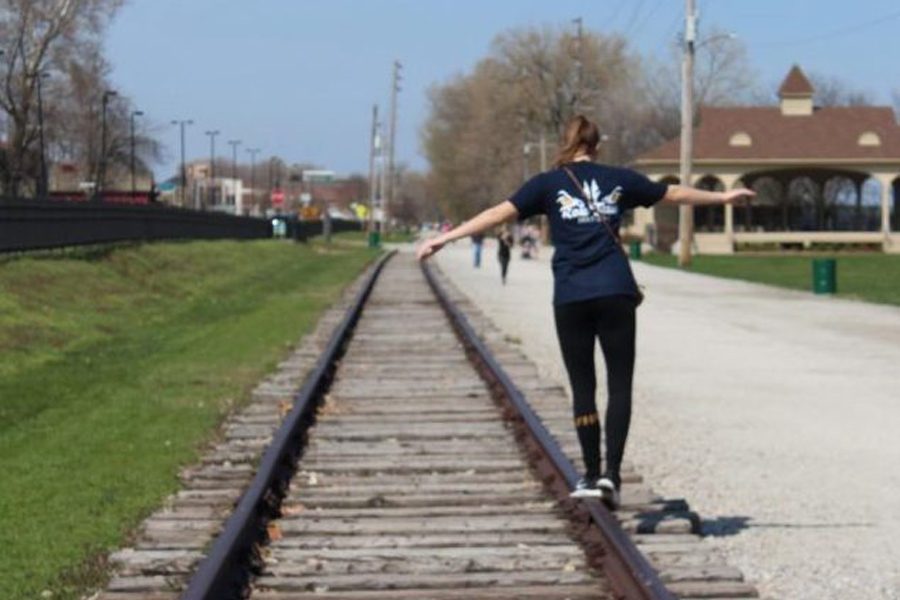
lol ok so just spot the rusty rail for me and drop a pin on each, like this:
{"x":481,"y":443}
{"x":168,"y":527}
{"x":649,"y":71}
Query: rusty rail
{"x":629,"y":572}
{"x":225,"y":570}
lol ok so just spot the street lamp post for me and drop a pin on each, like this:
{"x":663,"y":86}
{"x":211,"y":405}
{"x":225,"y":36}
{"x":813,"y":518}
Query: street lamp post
{"x":212,"y":165}
{"x":373,"y":181}
{"x":134,"y":113}
{"x":234,"y":164}
{"x":101,"y":183}
{"x":182,"y":124}
{"x":253,"y":152}
{"x":44,"y":184}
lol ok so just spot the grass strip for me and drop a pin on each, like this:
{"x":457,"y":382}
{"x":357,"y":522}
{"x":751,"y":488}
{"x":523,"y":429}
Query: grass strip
{"x":115,"y":369}
{"x":869,"y":277}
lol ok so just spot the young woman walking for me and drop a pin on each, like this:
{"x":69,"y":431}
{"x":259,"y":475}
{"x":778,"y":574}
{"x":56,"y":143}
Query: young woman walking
{"x":595,"y":293}
{"x":504,"y":252}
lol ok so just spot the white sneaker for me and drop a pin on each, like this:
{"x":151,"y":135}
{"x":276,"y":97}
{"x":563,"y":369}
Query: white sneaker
{"x":609,"y":492}
{"x":586,"y":488}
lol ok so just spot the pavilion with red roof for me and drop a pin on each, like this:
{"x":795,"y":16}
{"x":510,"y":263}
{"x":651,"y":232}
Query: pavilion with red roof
{"x":823,"y":175}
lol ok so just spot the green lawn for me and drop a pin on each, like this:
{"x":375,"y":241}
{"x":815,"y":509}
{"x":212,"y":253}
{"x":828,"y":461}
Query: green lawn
{"x":115,"y":367}
{"x":870,"y":277}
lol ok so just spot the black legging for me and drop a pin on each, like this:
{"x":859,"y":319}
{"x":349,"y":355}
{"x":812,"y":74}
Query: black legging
{"x":612,"y":320}
{"x":504,"y":266}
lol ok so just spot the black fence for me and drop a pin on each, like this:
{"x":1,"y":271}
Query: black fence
{"x":303,"y":230}
{"x":44,"y":224}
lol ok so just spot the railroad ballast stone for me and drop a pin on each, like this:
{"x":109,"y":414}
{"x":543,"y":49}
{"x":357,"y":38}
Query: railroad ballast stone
{"x":665,"y":530}
{"x":412,"y":484}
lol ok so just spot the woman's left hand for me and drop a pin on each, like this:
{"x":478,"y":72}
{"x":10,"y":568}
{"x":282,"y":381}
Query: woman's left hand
{"x":429,"y":247}
{"x":737,"y":195}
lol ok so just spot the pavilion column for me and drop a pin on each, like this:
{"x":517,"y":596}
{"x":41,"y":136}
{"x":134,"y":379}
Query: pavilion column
{"x":729,"y":181}
{"x":884,"y":181}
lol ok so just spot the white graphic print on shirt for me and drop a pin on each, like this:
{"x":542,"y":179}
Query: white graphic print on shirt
{"x":571,"y":208}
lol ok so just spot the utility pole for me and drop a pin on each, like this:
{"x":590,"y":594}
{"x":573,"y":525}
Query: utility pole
{"x":686,"y":211}
{"x":212,"y":165}
{"x":134,"y":113}
{"x":392,"y":176}
{"x":373,"y":184}
{"x":253,"y":152}
{"x":234,"y":152}
{"x":182,"y":124}
{"x":45,"y":180}
{"x":382,"y":175}
{"x":579,"y":68}
{"x":102,"y":178}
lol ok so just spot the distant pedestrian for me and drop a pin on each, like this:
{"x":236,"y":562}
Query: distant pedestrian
{"x":504,"y":251}
{"x":528,"y":243}
{"x":477,"y":245}
{"x":595,"y":293}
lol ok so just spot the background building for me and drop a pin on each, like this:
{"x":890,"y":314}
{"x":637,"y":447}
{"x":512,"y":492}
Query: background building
{"x":822,"y":175}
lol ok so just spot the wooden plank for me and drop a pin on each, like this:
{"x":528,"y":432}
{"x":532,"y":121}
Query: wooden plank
{"x":523,"y":510}
{"x":403,"y":564}
{"x":390,"y":581}
{"x":712,"y":589}
{"x":419,"y":541}
{"x":537,"y":592}
{"x":348,"y":526}
{"x":408,"y":500}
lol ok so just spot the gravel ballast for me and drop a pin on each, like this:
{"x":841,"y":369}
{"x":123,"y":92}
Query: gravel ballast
{"x":775,"y":413}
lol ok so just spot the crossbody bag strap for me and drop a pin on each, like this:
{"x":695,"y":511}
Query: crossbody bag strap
{"x":599,"y":217}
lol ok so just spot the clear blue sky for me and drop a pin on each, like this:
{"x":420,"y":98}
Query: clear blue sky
{"x":297,"y":78}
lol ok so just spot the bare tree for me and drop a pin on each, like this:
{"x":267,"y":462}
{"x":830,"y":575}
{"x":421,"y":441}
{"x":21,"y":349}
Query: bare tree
{"x":722,"y":77}
{"x":410,"y":206}
{"x":39,"y":35}
{"x":834,"y":91}
{"x":533,"y":81}
{"x":73,"y":121}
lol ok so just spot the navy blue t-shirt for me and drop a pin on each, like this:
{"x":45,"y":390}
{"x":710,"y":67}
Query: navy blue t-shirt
{"x":586,"y":262}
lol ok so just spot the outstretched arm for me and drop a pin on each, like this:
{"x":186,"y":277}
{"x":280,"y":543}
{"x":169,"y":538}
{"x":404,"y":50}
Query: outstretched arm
{"x":486,"y":219}
{"x":682,"y":194}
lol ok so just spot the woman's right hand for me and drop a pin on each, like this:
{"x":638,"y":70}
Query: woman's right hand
{"x":429,"y":247}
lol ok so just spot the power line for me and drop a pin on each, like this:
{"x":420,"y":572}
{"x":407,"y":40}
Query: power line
{"x":647,"y":17}
{"x":634,"y":14}
{"x":615,"y":14}
{"x":835,"y":32}
{"x":668,"y":36}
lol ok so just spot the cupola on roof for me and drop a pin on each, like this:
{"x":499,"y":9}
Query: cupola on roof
{"x":796,"y":84}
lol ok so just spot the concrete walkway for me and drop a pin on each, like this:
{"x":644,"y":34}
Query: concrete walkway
{"x":775,"y":413}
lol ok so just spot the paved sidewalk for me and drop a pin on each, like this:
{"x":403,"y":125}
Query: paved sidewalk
{"x":775,"y":413}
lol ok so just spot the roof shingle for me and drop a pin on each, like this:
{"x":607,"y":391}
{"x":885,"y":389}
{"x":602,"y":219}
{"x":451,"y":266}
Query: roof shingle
{"x":830,"y":133}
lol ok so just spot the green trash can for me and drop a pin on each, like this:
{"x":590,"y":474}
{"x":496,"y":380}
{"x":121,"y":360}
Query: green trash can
{"x":824,"y":275}
{"x":374,"y":239}
{"x":634,"y":250}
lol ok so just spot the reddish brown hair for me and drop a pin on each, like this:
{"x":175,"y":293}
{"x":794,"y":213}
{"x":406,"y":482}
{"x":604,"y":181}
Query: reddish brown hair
{"x":580,"y":137}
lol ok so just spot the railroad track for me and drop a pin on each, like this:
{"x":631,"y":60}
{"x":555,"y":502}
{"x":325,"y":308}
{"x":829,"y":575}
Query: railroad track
{"x":411,"y":468}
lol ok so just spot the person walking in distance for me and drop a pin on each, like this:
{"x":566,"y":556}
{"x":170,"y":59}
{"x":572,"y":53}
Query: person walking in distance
{"x":595,"y":294}
{"x":504,"y":252}
{"x":477,"y":245}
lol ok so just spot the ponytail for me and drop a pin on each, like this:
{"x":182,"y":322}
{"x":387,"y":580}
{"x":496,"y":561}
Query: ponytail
{"x":581,"y":137}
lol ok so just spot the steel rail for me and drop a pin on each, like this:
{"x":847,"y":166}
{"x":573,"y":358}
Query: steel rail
{"x":224,"y":572}
{"x":629,"y":572}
